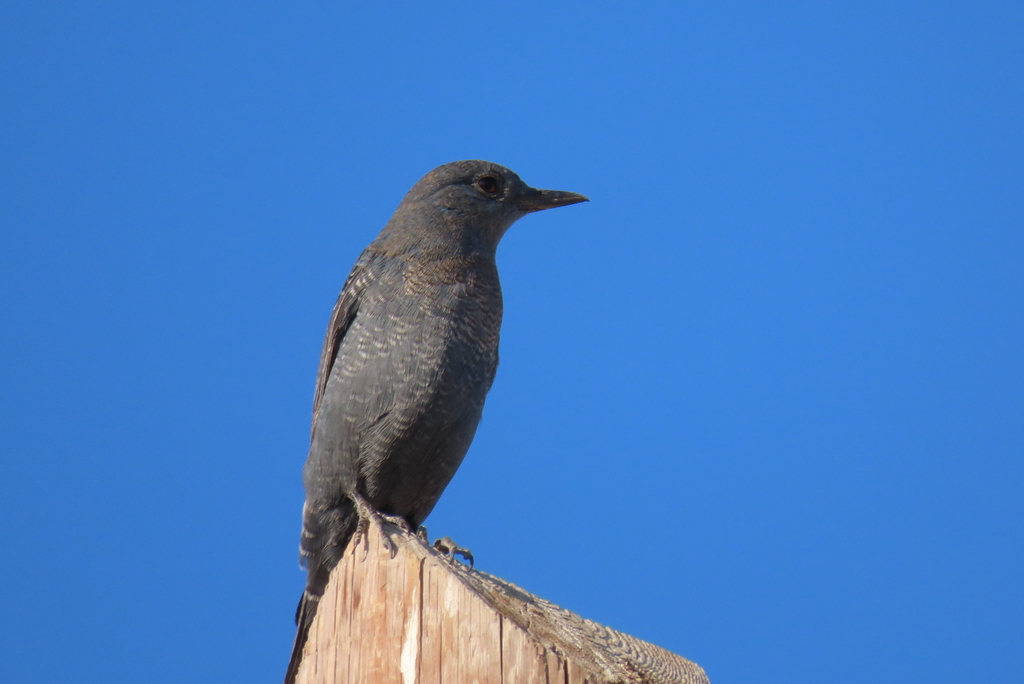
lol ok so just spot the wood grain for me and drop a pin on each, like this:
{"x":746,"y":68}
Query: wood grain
{"x":419,"y":618}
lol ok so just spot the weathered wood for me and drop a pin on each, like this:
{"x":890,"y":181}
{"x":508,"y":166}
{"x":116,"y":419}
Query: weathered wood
{"x":419,"y":618}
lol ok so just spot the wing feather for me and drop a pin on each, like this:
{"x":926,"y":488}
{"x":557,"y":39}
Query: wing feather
{"x":344,"y":313}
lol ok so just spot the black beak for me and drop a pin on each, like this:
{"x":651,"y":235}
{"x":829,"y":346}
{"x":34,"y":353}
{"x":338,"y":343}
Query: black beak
{"x":538,"y":200}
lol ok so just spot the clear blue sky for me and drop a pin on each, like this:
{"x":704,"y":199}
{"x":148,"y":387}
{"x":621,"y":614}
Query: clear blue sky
{"x":761,"y":401}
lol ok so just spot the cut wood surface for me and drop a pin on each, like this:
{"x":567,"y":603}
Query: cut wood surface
{"x":420,"y":618}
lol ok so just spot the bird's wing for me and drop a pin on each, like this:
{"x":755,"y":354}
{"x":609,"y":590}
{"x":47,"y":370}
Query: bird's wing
{"x":341,"y":319}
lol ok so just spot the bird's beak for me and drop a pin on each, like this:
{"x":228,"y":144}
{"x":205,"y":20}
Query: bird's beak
{"x":538,"y":200}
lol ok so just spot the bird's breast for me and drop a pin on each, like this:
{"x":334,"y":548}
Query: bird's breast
{"x":429,"y":326}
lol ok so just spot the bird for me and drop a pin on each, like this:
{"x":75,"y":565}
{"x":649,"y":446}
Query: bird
{"x":410,"y":353}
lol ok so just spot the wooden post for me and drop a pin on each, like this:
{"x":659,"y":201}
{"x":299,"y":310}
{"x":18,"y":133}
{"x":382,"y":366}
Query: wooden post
{"x":420,"y":618}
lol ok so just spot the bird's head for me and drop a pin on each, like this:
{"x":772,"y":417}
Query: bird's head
{"x":475,"y":200}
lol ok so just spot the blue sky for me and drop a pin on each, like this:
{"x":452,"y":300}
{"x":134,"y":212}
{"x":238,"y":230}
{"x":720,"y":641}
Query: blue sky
{"x":760,"y":402}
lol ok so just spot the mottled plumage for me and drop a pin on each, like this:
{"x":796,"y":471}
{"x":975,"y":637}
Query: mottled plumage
{"x":410,"y":353}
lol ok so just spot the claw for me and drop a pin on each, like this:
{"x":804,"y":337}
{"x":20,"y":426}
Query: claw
{"x":396,"y":520}
{"x":362,"y":536}
{"x":449,"y":548}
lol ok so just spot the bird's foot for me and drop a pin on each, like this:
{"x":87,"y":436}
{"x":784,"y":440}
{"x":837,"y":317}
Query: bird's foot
{"x":369,"y":515}
{"x":449,"y":548}
{"x":396,"y":520}
{"x":422,"y":534}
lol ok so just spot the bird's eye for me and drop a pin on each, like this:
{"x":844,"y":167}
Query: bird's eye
{"x":487,"y":185}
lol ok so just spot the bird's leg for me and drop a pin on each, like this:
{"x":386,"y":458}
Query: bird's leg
{"x":367,"y":515}
{"x":449,"y":548}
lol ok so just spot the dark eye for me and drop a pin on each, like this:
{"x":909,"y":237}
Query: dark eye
{"x":487,"y":185}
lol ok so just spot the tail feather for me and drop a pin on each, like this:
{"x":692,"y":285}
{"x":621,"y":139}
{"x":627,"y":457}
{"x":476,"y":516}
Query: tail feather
{"x":325,"y":534}
{"x":303,"y":618}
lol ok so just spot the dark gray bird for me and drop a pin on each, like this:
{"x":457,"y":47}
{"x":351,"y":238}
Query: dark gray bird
{"x":410,"y":353}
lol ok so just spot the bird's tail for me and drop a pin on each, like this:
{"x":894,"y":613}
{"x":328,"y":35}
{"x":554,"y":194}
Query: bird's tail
{"x":304,"y":615}
{"x":325,"y":534}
